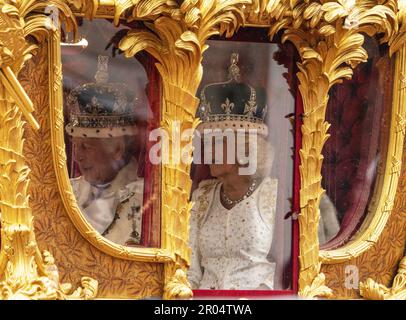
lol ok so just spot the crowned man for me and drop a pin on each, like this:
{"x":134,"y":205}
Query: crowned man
{"x":103,"y":128}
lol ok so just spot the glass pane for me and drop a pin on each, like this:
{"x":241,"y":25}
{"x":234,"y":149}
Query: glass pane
{"x":357,"y":110}
{"x":243,"y":170}
{"x":111,"y":103}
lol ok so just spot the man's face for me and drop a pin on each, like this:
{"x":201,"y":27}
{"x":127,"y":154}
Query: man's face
{"x":99,"y":158}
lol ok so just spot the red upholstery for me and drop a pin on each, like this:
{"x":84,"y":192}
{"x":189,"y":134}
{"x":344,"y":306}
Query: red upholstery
{"x":350,"y":155}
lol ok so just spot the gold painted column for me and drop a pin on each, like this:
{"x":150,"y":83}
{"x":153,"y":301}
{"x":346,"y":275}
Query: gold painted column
{"x":18,"y":269}
{"x":17,"y":239}
{"x":178,"y":116}
{"x":177,"y":42}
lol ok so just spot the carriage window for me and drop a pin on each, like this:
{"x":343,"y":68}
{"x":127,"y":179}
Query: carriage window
{"x":111,"y":103}
{"x":240,"y":229}
{"x":357,"y":110}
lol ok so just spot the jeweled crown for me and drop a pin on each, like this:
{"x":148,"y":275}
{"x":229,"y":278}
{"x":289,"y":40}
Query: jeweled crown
{"x":101,"y":109}
{"x":233,"y":104}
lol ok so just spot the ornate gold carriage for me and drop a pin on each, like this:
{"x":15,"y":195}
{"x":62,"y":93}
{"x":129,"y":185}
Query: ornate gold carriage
{"x":37,"y":206}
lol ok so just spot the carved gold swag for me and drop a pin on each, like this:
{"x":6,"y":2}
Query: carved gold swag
{"x":328,"y":36}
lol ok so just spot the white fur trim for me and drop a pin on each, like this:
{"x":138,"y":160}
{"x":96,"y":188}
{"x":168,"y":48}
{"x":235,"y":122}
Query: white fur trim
{"x":261,"y":128}
{"x":101,"y":132}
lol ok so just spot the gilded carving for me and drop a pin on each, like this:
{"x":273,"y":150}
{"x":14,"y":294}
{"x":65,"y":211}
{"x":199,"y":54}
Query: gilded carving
{"x":25,"y":274}
{"x":379,"y":213}
{"x":382,"y":259}
{"x":64,"y":186}
{"x":86,"y":7}
{"x":398,"y":38}
{"x":401,"y":124}
{"x":178,"y":46}
{"x":384,"y":238}
{"x":329,"y":38}
{"x":177,"y":285}
{"x":372,"y":290}
{"x":74,"y":255}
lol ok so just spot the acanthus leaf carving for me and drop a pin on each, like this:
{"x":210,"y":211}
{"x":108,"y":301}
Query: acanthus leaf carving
{"x":375,"y":291}
{"x":24,"y":272}
{"x":327,"y":35}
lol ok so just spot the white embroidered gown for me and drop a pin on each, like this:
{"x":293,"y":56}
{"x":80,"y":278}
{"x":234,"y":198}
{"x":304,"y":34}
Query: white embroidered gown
{"x":116,"y":210}
{"x":230,"y":247}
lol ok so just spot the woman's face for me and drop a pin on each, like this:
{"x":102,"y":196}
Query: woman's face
{"x":221,"y":164}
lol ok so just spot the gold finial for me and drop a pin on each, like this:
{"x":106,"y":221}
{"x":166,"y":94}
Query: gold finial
{"x":233,"y":69}
{"x":102,"y":75}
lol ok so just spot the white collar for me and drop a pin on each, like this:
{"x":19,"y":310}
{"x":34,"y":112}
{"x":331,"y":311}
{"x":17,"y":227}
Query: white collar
{"x":127,"y":174}
{"x":100,"y":212}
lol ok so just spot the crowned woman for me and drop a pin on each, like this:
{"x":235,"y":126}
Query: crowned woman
{"x":233,"y":217}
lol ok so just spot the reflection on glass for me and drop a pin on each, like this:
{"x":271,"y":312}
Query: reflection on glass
{"x":107,"y":116}
{"x":242,"y":171}
{"x":328,"y":223}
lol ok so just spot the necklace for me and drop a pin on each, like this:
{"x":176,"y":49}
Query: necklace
{"x":249,"y":192}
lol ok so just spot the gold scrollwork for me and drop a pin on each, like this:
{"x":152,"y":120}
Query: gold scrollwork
{"x":176,"y":285}
{"x":178,"y":45}
{"x":381,"y":208}
{"x":374,"y":291}
{"x":87,"y":7}
{"x":329,"y":39}
{"x":24,"y":272}
{"x":61,"y":171}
